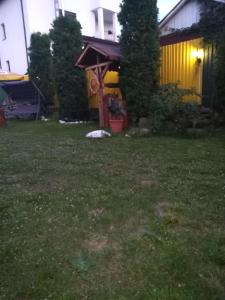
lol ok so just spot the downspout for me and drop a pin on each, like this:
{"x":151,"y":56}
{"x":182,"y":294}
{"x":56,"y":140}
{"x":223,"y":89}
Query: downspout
{"x":24,"y":31}
{"x":62,"y":7}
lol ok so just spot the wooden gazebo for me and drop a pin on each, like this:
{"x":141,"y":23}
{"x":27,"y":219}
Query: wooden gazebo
{"x":99,"y":56}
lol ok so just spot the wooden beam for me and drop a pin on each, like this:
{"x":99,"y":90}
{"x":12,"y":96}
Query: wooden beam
{"x":105,"y":71}
{"x":85,"y":51}
{"x":99,"y":65}
{"x":101,"y":94}
{"x":82,"y":55}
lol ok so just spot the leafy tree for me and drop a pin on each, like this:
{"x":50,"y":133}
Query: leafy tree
{"x":40,"y":68}
{"x":70,"y":81}
{"x":140,"y":48}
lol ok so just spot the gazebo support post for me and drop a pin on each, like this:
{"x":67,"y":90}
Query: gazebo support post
{"x":101,"y":95}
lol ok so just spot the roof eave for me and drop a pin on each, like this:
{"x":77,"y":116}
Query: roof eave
{"x":171,"y":13}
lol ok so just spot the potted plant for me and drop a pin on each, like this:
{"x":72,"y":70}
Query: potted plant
{"x":117,"y":114}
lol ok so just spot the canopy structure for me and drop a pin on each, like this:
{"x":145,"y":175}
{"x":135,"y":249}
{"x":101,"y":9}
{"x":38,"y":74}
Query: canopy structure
{"x":23,"y":99}
{"x":9,"y":76}
{"x":99,"y":56}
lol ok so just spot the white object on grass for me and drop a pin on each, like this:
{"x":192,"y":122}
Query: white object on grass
{"x":98,"y":134}
{"x":72,"y":123}
{"x":44,"y":119}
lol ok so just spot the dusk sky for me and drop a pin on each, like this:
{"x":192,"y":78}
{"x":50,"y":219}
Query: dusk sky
{"x":165,"y":6}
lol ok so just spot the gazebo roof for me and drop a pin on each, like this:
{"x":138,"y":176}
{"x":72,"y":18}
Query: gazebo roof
{"x":98,"y":51}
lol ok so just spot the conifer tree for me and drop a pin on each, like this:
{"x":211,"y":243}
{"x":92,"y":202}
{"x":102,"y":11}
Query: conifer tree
{"x":40,"y":68}
{"x":70,"y":82}
{"x":140,"y":48}
{"x":212,"y":27}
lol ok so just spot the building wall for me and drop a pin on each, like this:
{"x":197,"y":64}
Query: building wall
{"x":84,"y":15}
{"x":179,"y":64}
{"x":13,"y":47}
{"x":113,"y":5}
{"x":188,"y":15}
{"x":39,"y":16}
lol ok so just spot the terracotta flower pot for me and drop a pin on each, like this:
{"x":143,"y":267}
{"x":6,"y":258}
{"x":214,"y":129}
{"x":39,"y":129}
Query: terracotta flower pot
{"x":116,"y":125}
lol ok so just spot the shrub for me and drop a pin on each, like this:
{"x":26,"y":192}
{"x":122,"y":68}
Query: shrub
{"x":167,"y":107}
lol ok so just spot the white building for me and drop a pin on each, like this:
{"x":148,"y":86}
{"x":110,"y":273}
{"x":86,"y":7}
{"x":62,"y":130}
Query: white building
{"x":185,"y":14}
{"x":20,"y":18}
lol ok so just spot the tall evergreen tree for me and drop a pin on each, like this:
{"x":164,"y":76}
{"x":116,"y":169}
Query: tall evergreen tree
{"x":212,"y":27}
{"x":140,"y":48}
{"x":70,"y":82}
{"x":40,"y":68}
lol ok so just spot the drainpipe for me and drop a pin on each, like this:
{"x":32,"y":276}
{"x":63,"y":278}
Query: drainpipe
{"x":101,"y":31}
{"x":62,"y":7}
{"x":24,"y":31}
{"x":56,"y":6}
{"x":114,"y":26}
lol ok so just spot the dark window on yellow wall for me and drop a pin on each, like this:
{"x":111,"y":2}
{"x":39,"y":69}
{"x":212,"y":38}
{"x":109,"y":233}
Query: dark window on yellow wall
{"x":8,"y":65}
{"x":3,"y":32}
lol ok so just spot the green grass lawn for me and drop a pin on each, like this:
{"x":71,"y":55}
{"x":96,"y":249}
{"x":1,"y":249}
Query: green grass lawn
{"x":119,"y":218}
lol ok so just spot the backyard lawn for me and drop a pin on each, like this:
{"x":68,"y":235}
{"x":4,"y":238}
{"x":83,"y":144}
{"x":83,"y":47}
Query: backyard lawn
{"x":113,"y":219}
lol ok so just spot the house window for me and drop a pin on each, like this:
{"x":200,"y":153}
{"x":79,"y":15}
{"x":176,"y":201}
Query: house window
{"x":8,"y":65}
{"x":3,"y":32}
{"x":67,"y":14}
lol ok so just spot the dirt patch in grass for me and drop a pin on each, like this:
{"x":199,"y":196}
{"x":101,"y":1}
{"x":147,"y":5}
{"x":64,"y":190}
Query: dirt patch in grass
{"x":148,"y":183}
{"x":96,"y":212}
{"x":135,"y":226}
{"x":162,"y":209}
{"x":97,"y":243}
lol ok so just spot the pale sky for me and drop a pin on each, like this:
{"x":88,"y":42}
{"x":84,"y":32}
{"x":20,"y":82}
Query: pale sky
{"x":165,"y":6}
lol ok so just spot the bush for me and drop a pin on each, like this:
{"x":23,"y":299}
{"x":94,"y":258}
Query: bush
{"x":168,"y":111}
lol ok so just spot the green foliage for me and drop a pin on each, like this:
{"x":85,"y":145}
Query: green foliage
{"x":212,"y":27}
{"x":40,"y":68}
{"x":70,"y":81}
{"x":167,"y":107}
{"x":220,"y":74}
{"x":139,"y":42}
{"x":212,"y":22}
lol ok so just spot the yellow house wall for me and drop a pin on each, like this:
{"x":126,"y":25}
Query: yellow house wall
{"x":178,"y":64}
